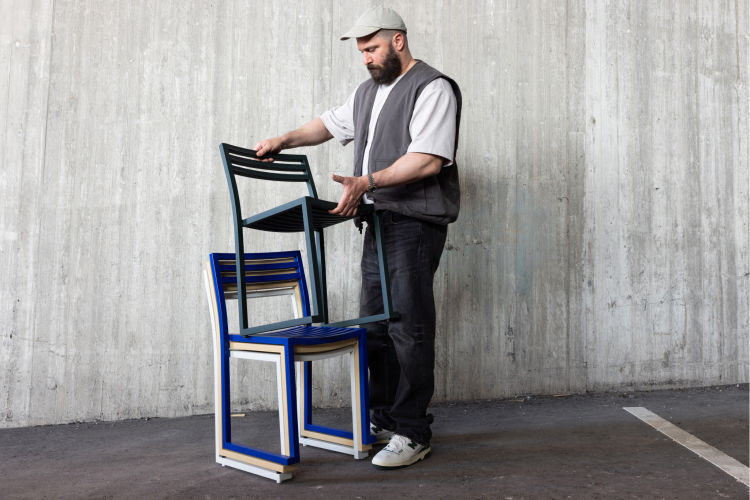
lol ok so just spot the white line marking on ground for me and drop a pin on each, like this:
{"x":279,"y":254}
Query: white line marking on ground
{"x":704,"y":450}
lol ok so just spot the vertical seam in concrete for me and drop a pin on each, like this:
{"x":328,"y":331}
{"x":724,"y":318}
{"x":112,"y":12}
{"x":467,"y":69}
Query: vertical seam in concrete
{"x":49,"y":83}
{"x":737,"y":38}
{"x":37,"y":230}
{"x":698,"y":160}
{"x":567,"y":209}
{"x":583,"y":316}
{"x":7,"y":95}
{"x":739,"y":76}
{"x":7,"y":414}
{"x":584,"y":100}
{"x":737,"y":84}
{"x":721,"y":218}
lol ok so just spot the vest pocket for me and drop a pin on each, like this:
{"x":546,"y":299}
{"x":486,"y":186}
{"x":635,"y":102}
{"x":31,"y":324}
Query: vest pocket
{"x":417,"y":196}
{"x":407,"y":198}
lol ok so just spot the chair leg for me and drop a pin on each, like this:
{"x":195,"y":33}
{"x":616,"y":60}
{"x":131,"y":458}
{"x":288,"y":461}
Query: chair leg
{"x":354,"y":374}
{"x":254,"y":460}
{"x":283,"y":431}
{"x":363,"y":394}
{"x":319,"y":314}
{"x":290,"y":402}
{"x":354,"y":443}
{"x":217,"y":358}
{"x":320,"y":244}
{"x":385,"y":282}
{"x":303,"y":397}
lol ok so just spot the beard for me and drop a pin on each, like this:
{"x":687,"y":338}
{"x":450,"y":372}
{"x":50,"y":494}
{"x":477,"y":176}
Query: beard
{"x":389,"y":71}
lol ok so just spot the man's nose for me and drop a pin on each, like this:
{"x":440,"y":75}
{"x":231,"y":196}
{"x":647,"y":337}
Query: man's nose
{"x":368,"y":59}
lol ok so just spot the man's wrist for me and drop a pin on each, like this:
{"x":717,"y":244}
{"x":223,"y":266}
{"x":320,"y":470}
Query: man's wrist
{"x":371,"y":186}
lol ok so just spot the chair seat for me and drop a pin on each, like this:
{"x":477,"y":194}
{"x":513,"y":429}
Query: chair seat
{"x":287,"y":218}
{"x":301,"y":335}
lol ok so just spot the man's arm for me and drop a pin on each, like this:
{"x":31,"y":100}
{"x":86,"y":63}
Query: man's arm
{"x":409,"y":168}
{"x":310,"y":134}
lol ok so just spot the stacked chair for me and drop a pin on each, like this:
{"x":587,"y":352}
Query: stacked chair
{"x":292,"y":344}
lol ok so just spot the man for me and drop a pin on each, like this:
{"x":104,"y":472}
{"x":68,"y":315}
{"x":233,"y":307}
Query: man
{"x":404,"y":124}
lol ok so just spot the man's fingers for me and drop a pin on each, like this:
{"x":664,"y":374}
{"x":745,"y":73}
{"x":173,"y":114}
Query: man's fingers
{"x":337,"y":211}
{"x":349,"y":202}
{"x":344,"y":208}
{"x":261,"y":149}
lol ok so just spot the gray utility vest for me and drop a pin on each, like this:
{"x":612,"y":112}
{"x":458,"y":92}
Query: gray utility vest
{"x":433,"y":199}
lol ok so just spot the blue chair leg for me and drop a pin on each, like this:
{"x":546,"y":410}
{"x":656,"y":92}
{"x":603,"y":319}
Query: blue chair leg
{"x":366,"y":438}
{"x":290,"y":398}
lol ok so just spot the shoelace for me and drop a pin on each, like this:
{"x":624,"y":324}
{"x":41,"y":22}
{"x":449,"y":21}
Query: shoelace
{"x":398,"y":443}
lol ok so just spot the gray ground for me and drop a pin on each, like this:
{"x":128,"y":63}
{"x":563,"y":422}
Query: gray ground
{"x":583,"y":446}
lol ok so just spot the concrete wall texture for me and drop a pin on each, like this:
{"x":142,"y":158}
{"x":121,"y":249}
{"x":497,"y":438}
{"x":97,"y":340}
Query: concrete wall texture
{"x":603,"y":242}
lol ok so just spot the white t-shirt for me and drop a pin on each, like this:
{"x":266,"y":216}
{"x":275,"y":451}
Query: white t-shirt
{"x":432,"y":126}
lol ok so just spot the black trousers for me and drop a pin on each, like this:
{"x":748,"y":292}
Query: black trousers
{"x":401,"y":352}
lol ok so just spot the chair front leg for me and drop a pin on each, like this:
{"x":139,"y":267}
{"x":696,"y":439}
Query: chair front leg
{"x":288,"y":400}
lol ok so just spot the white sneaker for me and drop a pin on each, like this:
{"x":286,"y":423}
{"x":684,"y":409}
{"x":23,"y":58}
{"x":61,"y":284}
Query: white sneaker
{"x":382,"y":435}
{"x":400,"y":452}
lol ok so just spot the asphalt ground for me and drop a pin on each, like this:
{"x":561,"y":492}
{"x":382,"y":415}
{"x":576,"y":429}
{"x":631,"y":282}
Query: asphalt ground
{"x":576,"y":446}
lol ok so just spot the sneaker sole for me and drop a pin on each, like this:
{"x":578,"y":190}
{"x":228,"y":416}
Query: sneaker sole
{"x":425,"y":454}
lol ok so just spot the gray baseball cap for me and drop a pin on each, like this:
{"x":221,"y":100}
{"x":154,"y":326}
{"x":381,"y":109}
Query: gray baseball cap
{"x":375,"y":19}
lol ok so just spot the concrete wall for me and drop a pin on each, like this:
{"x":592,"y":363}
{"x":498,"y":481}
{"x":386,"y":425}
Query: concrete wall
{"x":602,"y":245}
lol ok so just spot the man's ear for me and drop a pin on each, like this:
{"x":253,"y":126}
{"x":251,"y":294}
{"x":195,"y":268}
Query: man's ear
{"x":398,"y":41}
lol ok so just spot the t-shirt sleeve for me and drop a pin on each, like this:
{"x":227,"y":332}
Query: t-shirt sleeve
{"x":433,"y":123}
{"x":340,"y":121}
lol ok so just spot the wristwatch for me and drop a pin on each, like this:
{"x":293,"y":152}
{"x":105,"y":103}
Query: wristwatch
{"x":373,"y":186}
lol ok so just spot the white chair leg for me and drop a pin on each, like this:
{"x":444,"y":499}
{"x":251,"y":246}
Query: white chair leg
{"x":300,"y":367}
{"x":356,"y":410}
{"x":217,"y":368}
{"x":282,"y":427}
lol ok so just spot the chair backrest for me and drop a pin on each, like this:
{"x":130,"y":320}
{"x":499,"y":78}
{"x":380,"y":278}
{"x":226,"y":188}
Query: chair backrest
{"x":283,"y":168}
{"x":266,"y":274}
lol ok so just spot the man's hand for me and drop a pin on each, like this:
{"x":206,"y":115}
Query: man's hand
{"x":268,"y":146}
{"x":354,"y":188}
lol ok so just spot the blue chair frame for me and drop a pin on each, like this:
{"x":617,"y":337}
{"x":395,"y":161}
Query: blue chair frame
{"x":276,"y":271}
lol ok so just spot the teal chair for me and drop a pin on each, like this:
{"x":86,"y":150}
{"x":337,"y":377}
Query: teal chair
{"x":307,"y":214}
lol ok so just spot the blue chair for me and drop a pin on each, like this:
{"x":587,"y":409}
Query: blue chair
{"x":282,"y":273}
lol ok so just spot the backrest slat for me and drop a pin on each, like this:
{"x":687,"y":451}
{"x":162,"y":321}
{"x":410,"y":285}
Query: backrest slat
{"x":264,"y":272}
{"x":251,"y":153}
{"x":270,"y":176}
{"x":288,"y":166}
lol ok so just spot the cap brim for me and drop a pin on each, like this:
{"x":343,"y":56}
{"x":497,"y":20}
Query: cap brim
{"x":360,"y":31}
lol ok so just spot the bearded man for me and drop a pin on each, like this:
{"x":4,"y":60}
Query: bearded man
{"x":404,"y":123}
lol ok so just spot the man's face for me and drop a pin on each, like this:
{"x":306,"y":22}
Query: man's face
{"x":381,"y":59}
